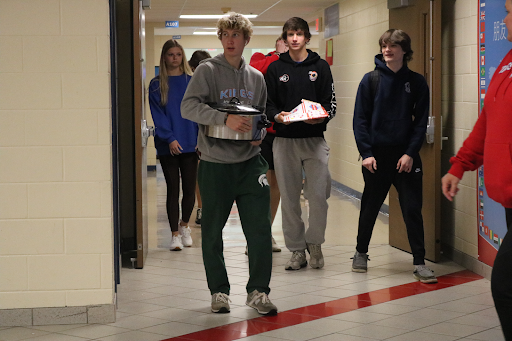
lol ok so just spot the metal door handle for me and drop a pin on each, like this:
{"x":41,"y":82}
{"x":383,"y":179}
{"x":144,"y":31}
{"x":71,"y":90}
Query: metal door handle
{"x":146,"y":132}
{"x":430,"y":133}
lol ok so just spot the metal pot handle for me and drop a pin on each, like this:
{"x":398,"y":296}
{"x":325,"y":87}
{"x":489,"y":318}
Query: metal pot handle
{"x":234,"y":100}
{"x":263,"y":122}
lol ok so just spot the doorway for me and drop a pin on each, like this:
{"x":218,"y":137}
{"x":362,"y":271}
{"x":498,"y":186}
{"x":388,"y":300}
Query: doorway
{"x":422,"y":21}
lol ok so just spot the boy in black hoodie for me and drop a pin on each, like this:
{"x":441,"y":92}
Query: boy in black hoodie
{"x":390,"y":120}
{"x":301,"y":74}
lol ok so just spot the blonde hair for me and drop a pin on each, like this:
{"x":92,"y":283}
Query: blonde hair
{"x":162,"y":73}
{"x":234,"y":21}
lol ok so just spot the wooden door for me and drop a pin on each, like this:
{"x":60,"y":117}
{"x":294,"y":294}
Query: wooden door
{"x":422,"y":21}
{"x":139,"y":66}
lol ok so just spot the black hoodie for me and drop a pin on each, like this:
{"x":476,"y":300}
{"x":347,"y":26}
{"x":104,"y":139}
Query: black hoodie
{"x":289,"y":82}
{"x":398,"y":114}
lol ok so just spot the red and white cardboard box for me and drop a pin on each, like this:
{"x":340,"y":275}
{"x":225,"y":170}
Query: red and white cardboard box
{"x":306,"y":110}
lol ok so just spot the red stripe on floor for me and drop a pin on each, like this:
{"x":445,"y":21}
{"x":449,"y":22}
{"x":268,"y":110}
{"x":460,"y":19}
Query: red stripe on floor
{"x":238,"y":330}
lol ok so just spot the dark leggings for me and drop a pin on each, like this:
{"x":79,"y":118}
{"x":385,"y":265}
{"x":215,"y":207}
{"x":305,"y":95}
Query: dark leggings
{"x":501,"y":280}
{"x":172,"y":166}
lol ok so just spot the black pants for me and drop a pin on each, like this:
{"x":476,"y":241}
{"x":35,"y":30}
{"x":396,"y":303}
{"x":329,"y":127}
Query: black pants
{"x":410,"y":193}
{"x":501,"y":280}
{"x":172,"y":166}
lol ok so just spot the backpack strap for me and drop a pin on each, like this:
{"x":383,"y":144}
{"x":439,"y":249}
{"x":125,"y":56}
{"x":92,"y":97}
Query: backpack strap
{"x":375,"y":80}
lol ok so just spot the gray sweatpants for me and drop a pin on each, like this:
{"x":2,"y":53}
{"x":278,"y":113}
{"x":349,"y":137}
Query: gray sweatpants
{"x":291,"y":156}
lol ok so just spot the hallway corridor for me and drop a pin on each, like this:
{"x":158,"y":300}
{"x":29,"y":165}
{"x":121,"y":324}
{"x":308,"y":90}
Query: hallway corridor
{"x":169,"y":298}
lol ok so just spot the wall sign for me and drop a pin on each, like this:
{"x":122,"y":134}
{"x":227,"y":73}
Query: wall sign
{"x":329,"y":51}
{"x":332,"y":21}
{"x":172,"y":24}
{"x":492,"y":47}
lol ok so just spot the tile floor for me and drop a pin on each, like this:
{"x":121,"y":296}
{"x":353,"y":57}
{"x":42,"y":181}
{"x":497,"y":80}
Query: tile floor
{"x":169,"y":299}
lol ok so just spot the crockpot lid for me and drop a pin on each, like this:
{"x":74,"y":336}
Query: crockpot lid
{"x":234,"y":107}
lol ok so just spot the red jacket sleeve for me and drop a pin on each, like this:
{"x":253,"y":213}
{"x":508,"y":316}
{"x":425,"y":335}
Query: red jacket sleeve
{"x":471,"y":155}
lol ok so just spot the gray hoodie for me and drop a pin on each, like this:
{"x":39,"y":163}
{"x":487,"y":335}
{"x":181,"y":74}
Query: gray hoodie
{"x":215,"y":80}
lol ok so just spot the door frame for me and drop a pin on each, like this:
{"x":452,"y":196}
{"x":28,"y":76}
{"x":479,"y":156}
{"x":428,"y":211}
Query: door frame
{"x":427,"y":48}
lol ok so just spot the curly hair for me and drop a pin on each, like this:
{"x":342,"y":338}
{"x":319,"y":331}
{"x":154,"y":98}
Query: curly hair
{"x":399,"y":37}
{"x":234,"y":21}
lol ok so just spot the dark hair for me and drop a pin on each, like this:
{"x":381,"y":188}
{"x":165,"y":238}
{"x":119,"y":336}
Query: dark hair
{"x":398,"y":37}
{"x":296,"y":24}
{"x":197,"y":56}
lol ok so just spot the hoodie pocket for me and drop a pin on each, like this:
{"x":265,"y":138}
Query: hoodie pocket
{"x":498,"y":172}
{"x":393,"y":132}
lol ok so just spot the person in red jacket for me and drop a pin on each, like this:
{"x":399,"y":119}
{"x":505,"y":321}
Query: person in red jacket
{"x":261,"y":62}
{"x":490,"y":144}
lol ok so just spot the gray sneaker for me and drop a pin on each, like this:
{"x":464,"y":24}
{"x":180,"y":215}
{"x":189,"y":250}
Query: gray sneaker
{"x":220,"y":303}
{"x":316,"y":258}
{"x":360,"y":262}
{"x":261,"y":302}
{"x":424,"y":274}
{"x":297,"y":261}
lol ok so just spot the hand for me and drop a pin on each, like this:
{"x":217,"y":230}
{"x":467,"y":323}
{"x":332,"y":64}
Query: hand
{"x":256,"y":143}
{"x":404,"y":164}
{"x":449,"y":184}
{"x":240,"y":124}
{"x":281,"y":46}
{"x":175,"y":147}
{"x":370,"y":163}
{"x":315,"y":120}
{"x":280,"y":117}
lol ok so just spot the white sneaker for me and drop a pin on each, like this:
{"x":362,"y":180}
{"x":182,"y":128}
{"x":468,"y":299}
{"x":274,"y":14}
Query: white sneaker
{"x":275,"y":247}
{"x":176,"y":244}
{"x":186,"y":239}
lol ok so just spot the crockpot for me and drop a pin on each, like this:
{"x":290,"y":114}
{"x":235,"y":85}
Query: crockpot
{"x":258,"y":119}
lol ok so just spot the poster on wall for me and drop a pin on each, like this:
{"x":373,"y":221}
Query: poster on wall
{"x":493,"y":46}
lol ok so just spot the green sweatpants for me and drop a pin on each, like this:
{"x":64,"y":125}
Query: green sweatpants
{"x":220,"y":185}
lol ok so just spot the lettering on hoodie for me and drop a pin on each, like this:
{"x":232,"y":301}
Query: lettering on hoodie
{"x":242,"y":93}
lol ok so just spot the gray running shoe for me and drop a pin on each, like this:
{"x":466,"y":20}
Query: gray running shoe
{"x":360,"y":262}
{"x":297,"y":261}
{"x":424,"y":274}
{"x":261,"y":302}
{"x":316,"y":258}
{"x":220,"y":303}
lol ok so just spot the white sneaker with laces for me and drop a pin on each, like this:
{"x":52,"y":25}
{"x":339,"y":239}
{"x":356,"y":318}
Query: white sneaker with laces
{"x":176,"y":244}
{"x":261,"y":302}
{"x":297,"y":262}
{"x":275,"y":247}
{"x":424,"y":274}
{"x":220,"y":303}
{"x":186,"y":238}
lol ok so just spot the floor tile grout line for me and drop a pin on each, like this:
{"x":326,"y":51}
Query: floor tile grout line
{"x":301,"y":315}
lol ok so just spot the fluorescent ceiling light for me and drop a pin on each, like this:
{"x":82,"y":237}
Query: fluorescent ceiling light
{"x":213,"y":16}
{"x":205,"y":33}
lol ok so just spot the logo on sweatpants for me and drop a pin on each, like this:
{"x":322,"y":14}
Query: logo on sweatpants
{"x":263,"y":180}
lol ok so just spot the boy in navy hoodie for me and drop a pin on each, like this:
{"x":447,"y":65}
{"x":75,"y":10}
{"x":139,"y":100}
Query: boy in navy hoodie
{"x":390,"y":120}
{"x":300,"y":146}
